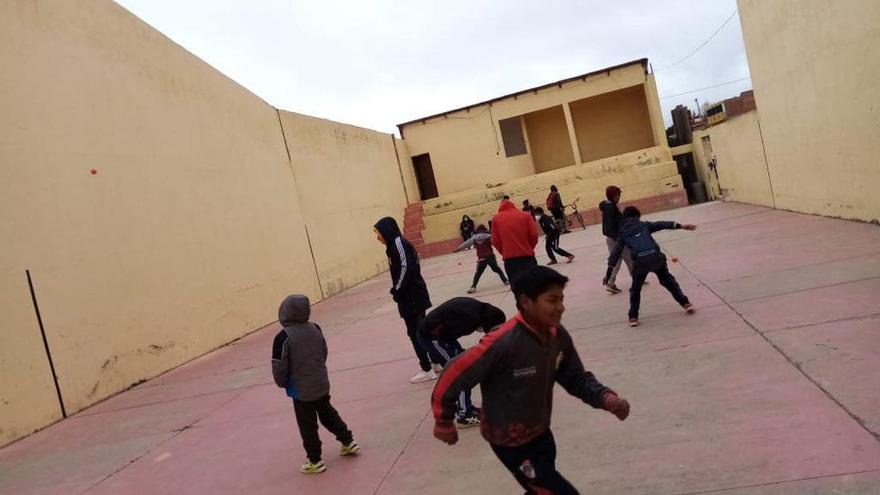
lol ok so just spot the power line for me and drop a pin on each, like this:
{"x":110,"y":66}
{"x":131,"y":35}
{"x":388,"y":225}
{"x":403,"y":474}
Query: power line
{"x":707,"y":87}
{"x":689,"y":55}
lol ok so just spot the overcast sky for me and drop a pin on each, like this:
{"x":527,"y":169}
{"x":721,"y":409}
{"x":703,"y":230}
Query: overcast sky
{"x":379,"y":63}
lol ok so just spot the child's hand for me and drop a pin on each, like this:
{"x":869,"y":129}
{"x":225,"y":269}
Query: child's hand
{"x":615,"y":405}
{"x":445,"y":431}
{"x":689,"y":226}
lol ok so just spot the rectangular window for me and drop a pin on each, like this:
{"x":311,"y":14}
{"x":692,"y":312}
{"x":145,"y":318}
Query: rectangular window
{"x":512,"y":136}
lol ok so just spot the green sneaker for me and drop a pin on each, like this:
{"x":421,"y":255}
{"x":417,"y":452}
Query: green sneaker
{"x":350,"y":449}
{"x":313,"y":467}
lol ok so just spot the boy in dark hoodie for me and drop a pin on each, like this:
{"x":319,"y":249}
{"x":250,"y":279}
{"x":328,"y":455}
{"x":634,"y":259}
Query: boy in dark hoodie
{"x":408,"y":289}
{"x":551,"y":237}
{"x":299,"y":357}
{"x":440,"y":332}
{"x":611,"y":220}
{"x":482,"y":239}
{"x":635,"y":235}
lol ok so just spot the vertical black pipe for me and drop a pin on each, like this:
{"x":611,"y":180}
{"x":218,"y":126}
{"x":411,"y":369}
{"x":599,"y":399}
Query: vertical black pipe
{"x":45,"y":343}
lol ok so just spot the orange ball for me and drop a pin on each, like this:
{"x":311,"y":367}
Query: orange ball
{"x":675,"y":259}
{"x":93,"y":171}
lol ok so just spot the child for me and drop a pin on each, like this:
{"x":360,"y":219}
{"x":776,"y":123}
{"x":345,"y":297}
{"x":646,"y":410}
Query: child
{"x":611,"y":219}
{"x":299,"y":357}
{"x":551,"y":237}
{"x":485,"y":256}
{"x":441,"y":330}
{"x":516,"y":367}
{"x":515,"y":236}
{"x":408,"y":289}
{"x":635,"y":235}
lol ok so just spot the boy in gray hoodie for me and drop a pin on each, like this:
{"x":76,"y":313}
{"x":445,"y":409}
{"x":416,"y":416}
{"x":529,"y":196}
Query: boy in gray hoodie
{"x":299,"y":356}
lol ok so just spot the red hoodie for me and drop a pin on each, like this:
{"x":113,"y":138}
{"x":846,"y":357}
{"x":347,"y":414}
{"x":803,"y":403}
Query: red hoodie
{"x":514,"y":232}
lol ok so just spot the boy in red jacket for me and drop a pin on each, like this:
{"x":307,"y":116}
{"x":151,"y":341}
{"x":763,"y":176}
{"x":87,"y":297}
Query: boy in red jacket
{"x":514,"y":235}
{"x":516,"y":367}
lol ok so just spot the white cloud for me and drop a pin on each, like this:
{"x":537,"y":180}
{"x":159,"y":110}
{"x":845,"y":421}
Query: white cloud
{"x":376,"y":64}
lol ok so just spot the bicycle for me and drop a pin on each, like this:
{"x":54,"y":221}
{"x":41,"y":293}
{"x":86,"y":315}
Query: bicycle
{"x":576,"y":214}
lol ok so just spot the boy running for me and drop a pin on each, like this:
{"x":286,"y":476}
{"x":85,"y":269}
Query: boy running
{"x":635,"y":235}
{"x":440,"y":332}
{"x":551,"y":237}
{"x":299,"y":364}
{"x":485,"y":256}
{"x":516,"y":367}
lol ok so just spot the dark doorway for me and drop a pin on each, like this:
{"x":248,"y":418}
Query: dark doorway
{"x":425,"y":176}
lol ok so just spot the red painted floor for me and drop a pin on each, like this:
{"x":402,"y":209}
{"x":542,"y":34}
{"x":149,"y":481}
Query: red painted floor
{"x":771,"y":387}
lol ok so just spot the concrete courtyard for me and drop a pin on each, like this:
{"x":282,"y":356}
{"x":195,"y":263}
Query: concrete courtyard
{"x":770,"y":388}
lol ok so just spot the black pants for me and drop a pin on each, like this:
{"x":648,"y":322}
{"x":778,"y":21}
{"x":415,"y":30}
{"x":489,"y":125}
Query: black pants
{"x":534,"y":466}
{"x":559,"y":218}
{"x":442,"y":351}
{"x":412,"y":322}
{"x":516,"y":266}
{"x":666,"y":279}
{"x":481,"y":267}
{"x":551,"y":243}
{"x":307,"y":415}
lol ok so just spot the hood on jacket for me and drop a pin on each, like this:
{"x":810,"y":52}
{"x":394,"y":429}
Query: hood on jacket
{"x":389,"y":229}
{"x":491,"y":317}
{"x":506,"y":205}
{"x":294,"y":309}
{"x":630,"y":226}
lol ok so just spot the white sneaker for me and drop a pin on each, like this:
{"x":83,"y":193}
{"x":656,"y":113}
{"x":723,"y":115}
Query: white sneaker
{"x":423,"y":376}
{"x":437,"y":368}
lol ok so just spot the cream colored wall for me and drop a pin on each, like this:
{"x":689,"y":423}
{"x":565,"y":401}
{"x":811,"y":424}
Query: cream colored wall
{"x":466,"y":148}
{"x":188,"y":236}
{"x":405,"y":165}
{"x":612,"y":123}
{"x":739,"y":157}
{"x":817,"y":83}
{"x":644,"y":174}
{"x":348,"y":178}
{"x":548,"y":139}
{"x":702,"y":157}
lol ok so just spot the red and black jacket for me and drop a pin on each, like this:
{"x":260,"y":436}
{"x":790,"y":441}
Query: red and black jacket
{"x":516,"y":368}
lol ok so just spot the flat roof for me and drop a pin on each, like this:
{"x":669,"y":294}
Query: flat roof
{"x":642,"y":61}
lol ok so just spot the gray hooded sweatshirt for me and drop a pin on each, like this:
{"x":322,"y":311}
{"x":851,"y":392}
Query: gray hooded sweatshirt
{"x":299,"y":352}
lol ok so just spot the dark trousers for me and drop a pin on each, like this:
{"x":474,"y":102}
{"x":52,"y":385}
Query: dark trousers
{"x":534,"y":466}
{"x":442,"y":351}
{"x":551,"y":243}
{"x":481,"y":267}
{"x":412,"y":322}
{"x":308,"y":413}
{"x":559,"y":218}
{"x":516,"y":266}
{"x":666,"y":280}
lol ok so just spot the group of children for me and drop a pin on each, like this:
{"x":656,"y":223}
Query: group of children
{"x":516,"y":363}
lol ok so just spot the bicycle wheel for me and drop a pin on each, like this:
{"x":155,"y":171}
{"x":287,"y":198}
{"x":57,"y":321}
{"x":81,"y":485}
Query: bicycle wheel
{"x":581,"y":220}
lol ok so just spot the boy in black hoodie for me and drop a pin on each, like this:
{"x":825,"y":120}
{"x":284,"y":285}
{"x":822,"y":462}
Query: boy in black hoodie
{"x":551,"y":237}
{"x":408,"y":289}
{"x":635,"y":235}
{"x":440,"y":332}
{"x":299,"y":364}
{"x":611,"y":220}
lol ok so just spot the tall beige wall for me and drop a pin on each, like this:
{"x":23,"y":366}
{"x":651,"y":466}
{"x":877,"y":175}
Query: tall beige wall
{"x":548,"y":139}
{"x":740,"y":162}
{"x":466,"y":147}
{"x":187,"y":237}
{"x":348,"y":178}
{"x":817,"y":85}
{"x":613,"y":123}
